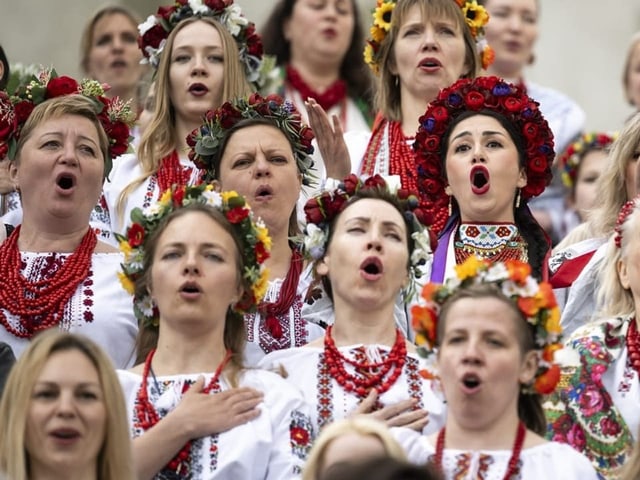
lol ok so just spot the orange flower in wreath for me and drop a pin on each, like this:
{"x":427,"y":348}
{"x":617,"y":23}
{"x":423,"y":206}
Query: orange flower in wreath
{"x":518,"y":271}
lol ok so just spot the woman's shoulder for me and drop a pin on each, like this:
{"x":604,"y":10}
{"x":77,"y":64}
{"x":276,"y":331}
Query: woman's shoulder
{"x":560,"y":460}
{"x":550,"y":97}
{"x":608,"y":333}
{"x":125,"y":169}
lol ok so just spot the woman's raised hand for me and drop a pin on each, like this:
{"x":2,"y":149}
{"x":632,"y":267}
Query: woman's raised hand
{"x":330,"y":140}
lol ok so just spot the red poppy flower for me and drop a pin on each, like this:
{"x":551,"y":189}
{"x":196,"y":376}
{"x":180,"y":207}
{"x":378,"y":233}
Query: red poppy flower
{"x":135,"y":235}
{"x":237,"y":214}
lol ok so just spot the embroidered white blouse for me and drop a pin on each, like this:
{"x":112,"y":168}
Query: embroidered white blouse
{"x":100,"y":308}
{"x":306,"y":368}
{"x":273,"y":446}
{"x":551,"y":460}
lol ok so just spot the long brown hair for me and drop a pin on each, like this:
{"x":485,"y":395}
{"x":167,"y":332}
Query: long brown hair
{"x":234,"y":333}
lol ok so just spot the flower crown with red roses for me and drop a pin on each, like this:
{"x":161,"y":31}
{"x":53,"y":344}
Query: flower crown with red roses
{"x":475,"y":16}
{"x":321,"y":210}
{"x":534,"y":300}
{"x":481,"y":94}
{"x":625,"y":211}
{"x":116,"y":116}
{"x":254,"y":237}
{"x":156,"y":28}
{"x":206,"y":140}
{"x":571,"y":158}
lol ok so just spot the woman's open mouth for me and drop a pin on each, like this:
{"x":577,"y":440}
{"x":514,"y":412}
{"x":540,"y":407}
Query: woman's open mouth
{"x":371,"y":268}
{"x":66,"y":182}
{"x":479,"y":178}
{"x":471,"y":383}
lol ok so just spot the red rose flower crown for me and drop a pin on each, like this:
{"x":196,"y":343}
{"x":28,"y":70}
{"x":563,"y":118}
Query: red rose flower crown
{"x":155,"y":30}
{"x":534,"y":300}
{"x":321,"y":210}
{"x":205,"y":141}
{"x":116,"y":116}
{"x":481,"y":94}
{"x":254,"y":236}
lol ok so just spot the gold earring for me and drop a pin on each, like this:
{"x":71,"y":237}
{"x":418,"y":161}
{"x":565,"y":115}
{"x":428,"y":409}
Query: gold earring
{"x":518,"y":199}
{"x":450,"y":206}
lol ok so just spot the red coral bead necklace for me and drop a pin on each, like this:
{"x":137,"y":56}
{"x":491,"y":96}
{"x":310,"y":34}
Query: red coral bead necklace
{"x":40,"y":304}
{"x":171,"y":172}
{"x":391,"y":367}
{"x":633,"y":346}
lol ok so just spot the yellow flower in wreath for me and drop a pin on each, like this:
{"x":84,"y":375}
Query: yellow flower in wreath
{"x":475,"y":15}
{"x":470,"y":267}
{"x":377,"y":33}
{"x":126,"y":283}
{"x":382,"y":15}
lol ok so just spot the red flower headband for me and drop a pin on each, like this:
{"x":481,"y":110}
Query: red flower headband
{"x":322,"y":209}
{"x":625,"y":211}
{"x":481,"y":94}
{"x":155,"y":30}
{"x":571,"y":158}
{"x":115,"y":115}
{"x":206,"y":140}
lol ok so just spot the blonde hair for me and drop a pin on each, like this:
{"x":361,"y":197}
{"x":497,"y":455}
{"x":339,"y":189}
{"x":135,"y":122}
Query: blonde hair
{"x":114,"y":461}
{"x":56,"y":107}
{"x":359,"y":425}
{"x":635,"y":40}
{"x":613,"y":298}
{"x":612,"y":193}
{"x":160,"y":137}
{"x":387,"y":91}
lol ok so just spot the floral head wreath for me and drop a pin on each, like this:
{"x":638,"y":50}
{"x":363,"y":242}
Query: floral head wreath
{"x":321,"y":210}
{"x":476,"y":17}
{"x":115,"y":115}
{"x":571,"y":158}
{"x":480,"y":94}
{"x":206,"y":140}
{"x":256,"y":243}
{"x":625,"y":211}
{"x":156,"y":28}
{"x":534,"y":300}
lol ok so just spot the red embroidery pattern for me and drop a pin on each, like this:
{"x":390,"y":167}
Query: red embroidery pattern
{"x":325,"y":404}
{"x":291,"y":320}
{"x":150,"y":194}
